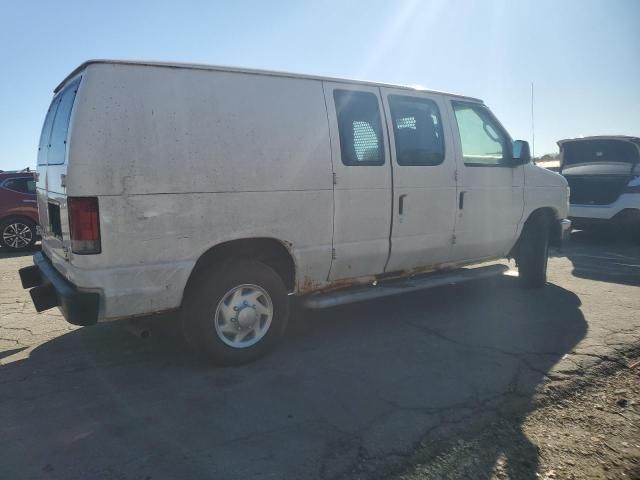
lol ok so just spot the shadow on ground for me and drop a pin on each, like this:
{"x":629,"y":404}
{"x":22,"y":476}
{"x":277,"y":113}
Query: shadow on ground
{"x":7,"y":253}
{"x":351,"y":390}
{"x":615,"y":257}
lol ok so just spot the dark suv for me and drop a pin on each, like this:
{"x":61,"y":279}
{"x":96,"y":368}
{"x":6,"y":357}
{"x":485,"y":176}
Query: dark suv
{"x":18,"y":209}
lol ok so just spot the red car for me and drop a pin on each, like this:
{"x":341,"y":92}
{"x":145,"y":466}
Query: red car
{"x":18,"y":210}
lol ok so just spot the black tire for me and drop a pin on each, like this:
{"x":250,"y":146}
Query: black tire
{"x":533,"y":254}
{"x":17,"y":234}
{"x":205,"y":294}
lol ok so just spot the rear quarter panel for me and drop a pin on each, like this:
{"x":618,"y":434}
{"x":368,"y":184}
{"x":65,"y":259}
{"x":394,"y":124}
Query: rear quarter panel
{"x":182,"y":160}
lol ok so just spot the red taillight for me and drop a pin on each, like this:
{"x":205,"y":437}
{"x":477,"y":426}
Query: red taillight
{"x":84,"y":225}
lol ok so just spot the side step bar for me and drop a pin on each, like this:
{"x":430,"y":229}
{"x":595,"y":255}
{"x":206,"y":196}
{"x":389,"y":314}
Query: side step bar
{"x":394,"y":287}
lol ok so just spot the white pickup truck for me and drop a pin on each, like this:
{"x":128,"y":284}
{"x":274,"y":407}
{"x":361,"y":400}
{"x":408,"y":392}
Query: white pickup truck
{"x":225,"y":192}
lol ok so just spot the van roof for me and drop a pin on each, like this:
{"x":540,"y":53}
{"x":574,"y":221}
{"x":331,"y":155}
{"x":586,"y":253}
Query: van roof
{"x":197,"y":66}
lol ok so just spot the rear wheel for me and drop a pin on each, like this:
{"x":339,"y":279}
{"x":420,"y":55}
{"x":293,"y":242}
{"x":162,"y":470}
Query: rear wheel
{"x":235,"y":312}
{"x":17,"y":233}
{"x":533,"y":254}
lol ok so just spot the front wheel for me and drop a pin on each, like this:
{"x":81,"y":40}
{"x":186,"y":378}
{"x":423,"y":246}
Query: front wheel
{"x":17,"y":234}
{"x":533,"y":254}
{"x":236,"y":312}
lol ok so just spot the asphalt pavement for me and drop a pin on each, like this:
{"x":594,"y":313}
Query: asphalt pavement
{"x":351,"y":392}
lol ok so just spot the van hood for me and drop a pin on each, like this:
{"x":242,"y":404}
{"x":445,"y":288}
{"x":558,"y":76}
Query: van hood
{"x":536,"y":176}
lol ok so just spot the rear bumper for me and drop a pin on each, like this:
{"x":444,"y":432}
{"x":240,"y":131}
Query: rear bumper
{"x":50,"y":289}
{"x":626,"y":201}
{"x":628,"y":217}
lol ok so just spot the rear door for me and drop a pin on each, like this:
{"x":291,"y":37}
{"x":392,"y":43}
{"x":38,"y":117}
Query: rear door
{"x":424,"y":184}
{"x":52,"y":170}
{"x":362,"y":177}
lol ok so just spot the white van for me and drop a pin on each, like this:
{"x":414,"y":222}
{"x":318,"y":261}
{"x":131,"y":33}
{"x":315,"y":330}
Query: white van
{"x":224,"y":192}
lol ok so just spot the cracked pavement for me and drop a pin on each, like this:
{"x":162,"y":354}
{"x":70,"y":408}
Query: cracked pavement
{"x":352,"y":392}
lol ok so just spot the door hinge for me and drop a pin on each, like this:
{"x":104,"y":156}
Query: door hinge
{"x":453,"y":239}
{"x":333,"y":254}
{"x":335,"y":178}
{"x":455,"y":175}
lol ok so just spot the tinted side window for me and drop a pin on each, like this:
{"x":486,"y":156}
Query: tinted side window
{"x":22,"y":185}
{"x":359,"y":128}
{"x":58,"y":142}
{"x":417,"y":129}
{"x":483,"y":141}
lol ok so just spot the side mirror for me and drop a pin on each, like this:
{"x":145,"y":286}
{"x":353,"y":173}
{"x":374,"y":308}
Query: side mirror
{"x":521,"y":154}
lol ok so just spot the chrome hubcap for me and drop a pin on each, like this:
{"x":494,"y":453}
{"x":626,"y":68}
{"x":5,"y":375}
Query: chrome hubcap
{"x":243,"y":316}
{"x":17,"y":235}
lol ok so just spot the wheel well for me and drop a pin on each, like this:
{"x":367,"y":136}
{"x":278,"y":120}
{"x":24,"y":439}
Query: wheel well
{"x":627,"y":216}
{"x":266,"y":250}
{"x":17,"y":217}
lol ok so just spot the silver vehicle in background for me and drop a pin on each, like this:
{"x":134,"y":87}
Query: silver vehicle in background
{"x":604,"y":177}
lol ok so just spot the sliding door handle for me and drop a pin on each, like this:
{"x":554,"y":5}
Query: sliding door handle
{"x":401,"y":204}
{"x":461,"y":200}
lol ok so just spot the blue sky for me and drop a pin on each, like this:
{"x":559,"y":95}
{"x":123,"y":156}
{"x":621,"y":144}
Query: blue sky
{"x":583,"y":56}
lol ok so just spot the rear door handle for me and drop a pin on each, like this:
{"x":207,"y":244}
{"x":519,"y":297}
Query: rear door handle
{"x":401,"y":204}
{"x":461,"y":200}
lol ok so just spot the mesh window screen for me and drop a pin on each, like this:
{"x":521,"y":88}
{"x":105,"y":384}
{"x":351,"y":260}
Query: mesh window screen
{"x":359,"y":128}
{"x":365,"y":141}
{"x":406,"y":122}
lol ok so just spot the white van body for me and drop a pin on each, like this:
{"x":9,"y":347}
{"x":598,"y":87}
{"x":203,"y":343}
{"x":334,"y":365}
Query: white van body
{"x":184,"y":159}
